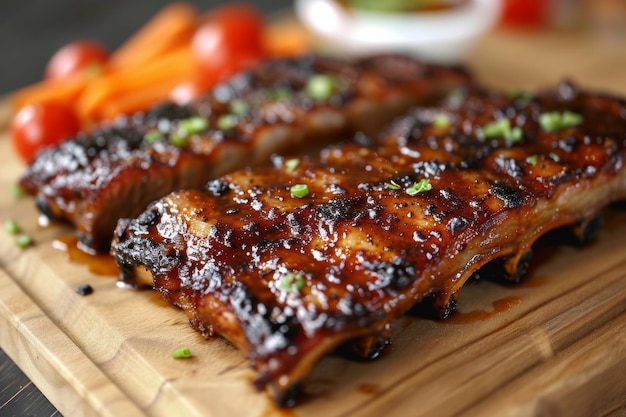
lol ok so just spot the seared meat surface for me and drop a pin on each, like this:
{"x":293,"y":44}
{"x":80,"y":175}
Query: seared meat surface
{"x":282,"y":106}
{"x":289,"y":262}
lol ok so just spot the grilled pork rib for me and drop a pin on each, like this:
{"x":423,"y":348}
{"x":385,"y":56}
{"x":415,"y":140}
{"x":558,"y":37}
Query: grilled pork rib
{"x":287,"y":276}
{"x":282,"y":106}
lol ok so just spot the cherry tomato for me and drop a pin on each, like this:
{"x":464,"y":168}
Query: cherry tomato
{"x":230,"y":37}
{"x":525,"y":12}
{"x":39,"y":125}
{"x":77,"y":57}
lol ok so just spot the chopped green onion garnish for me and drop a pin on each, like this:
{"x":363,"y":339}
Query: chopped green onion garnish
{"x":495,"y":129}
{"x":321,"y":87}
{"x":292,"y":282}
{"x":515,"y":135}
{"x":279,"y":94}
{"x":239,"y":107}
{"x":392,"y":185}
{"x":22,"y":241}
{"x":550,"y":122}
{"x":571,"y":119}
{"x":441,"y":121}
{"x":502,"y":128}
{"x":226,"y":121}
{"x":532,"y":159}
{"x":554,"y":157}
{"x":153,"y":136}
{"x":12,"y":227}
{"x":291,"y":164}
{"x":421,"y":186}
{"x":181,"y":353}
{"x":17,"y":191}
{"x":191,"y":125}
{"x":516,"y":94}
{"x":186,"y":127}
{"x":555,"y":121}
{"x":299,"y":190}
{"x":178,"y":140}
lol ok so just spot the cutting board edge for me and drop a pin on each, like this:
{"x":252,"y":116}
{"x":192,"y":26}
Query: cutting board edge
{"x":61,"y":371}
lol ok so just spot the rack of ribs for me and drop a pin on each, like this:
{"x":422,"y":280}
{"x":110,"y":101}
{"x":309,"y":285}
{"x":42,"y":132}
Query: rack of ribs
{"x":292,"y":261}
{"x":287,"y":105}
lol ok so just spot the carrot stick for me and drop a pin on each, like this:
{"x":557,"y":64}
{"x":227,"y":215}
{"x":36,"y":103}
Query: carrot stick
{"x":139,"y":99}
{"x":286,"y":39}
{"x":66,"y":90}
{"x":172,"y":27}
{"x":172,"y":66}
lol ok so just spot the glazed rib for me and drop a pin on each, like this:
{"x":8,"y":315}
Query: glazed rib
{"x":116,"y":170}
{"x":381,"y":230}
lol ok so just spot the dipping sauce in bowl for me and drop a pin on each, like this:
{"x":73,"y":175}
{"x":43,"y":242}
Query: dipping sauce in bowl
{"x":401,"y":6}
{"x":435,"y":30}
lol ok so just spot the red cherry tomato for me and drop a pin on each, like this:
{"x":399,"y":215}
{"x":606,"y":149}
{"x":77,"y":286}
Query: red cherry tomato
{"x":76,"y":57}
{"x":229,"y":38}
{"x":525,"y":12}
{"x":38,"y":125}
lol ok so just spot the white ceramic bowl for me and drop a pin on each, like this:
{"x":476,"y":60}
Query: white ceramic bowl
{"x":441,"y":36}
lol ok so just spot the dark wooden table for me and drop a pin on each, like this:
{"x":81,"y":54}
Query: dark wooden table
{"x":30,"y":31}
{"x":18,"y":395}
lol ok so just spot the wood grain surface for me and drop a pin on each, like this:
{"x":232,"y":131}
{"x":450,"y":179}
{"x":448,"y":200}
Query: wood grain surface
{"x":555,"y":345}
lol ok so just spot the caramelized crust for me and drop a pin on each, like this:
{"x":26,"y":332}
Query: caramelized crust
{"x":116,"y":170}
{"x":287,"y":278}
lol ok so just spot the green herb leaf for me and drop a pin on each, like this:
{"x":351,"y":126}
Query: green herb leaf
{"x":554,"y":157}
{"x":153,"y":136}
{"x":292,"y":282}
{"x":291,"y":164}
{"x":279,"y":94}
{"x":239,"y":107}
{"x":23,"y":240}
{"x":441,"y":121}
{"x":555,"y":121}
{"x":321,"y":87}
{"x":570,"y":119}
{"x":421,"y":186}
{"x":182,"y":353}
{"x":192,"y":125}
{"x":17,"y":191}
{"x":496,"y":128}
{"x":502,"y":128}
{"x":532,"y":159}
{"x":550,"y":122}
{"x":226,"y":121}
{"x":12,"y":227}
{"x":179,"y":141}
{"x":514,"y":135}
{"x":299,"y":190}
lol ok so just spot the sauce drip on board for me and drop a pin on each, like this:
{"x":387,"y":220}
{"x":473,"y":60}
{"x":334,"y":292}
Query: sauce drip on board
{"x":499,"y":306}
{"x":99,"y":264}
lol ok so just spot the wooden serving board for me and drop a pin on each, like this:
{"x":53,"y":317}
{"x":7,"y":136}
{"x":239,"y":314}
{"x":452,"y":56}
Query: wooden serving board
{"x":553,"y":345}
